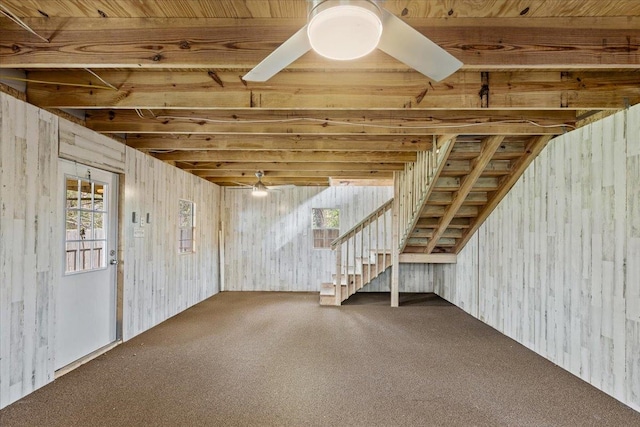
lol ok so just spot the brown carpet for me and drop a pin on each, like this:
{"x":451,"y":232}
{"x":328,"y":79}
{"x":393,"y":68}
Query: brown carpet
{"x":280,"y":359}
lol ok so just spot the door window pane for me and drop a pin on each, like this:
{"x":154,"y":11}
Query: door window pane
{"x":98,"y":196}
{"x":86,"y":220}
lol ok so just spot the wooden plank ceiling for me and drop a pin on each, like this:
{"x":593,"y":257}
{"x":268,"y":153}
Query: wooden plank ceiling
{"x":532,"y":69}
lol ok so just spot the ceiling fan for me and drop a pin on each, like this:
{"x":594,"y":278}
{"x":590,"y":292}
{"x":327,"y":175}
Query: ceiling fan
{"x":259,"y":189}
{"x":350,"y":29}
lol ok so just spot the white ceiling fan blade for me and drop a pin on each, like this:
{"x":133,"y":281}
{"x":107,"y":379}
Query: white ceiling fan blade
{"x":409,"y":46}
{"x":285,"y":54}
{"x":279,"y":187}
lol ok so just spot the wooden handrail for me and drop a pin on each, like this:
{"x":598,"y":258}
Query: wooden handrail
{"x":378,"y":212}
{"x":355,"y":248}
{"x":416,"y":183}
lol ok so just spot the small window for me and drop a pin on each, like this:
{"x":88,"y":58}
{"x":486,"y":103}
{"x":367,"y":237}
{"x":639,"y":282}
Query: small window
{"x":186,"y":224}
{"x":85,"y":225}
{"x":325,"y":226}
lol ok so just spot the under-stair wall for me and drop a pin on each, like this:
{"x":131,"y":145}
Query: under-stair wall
{"x":557,"y":265}
{"x":278,"y":255}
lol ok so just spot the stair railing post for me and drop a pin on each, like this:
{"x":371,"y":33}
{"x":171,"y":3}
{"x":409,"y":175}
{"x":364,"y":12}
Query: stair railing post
{"x":338,"y":293}
{"x":395,"y":241}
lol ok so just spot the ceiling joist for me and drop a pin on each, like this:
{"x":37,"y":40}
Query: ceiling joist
{"x":223,"y":43}
{"x":346,"y":122}
{"x":210,"y":89}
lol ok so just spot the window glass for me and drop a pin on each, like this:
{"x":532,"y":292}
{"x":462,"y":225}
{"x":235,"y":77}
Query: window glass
{"x":186,"y":226}
{"x":326,"y":226}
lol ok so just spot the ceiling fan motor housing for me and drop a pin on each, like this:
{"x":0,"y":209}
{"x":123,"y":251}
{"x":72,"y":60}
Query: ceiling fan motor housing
{"x":344,"y":29}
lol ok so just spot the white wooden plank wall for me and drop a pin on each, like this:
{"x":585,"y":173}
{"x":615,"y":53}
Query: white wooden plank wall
{"x":159,"y":282}
{"x":268,"y":241}
{"x":558,"y":262}
{"x":412,"y":278}
{"x":83,"y":145}
{"x":269,"y":246}
{"x":458,"y":282}
{"x":632,"y":261}
{"x":28,"y":246}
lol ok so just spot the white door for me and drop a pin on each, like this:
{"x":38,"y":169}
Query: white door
{"x":86,"y":297}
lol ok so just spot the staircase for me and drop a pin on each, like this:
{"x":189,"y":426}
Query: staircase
{"x":362,"y":254}
{"x":368,"y":268}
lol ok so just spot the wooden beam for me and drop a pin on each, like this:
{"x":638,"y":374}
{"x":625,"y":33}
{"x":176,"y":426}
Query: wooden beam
{"x":287,"y":156}
{"x":539,"y":89}
{"x":342,"y":182}
{"x":345,"y":122}
{"x":301,"y":181}
{"x":481,"y":43}
{"x":294,"y":166}
{"x":534,"y":148}
{"x":299,"y":8}
{"x":251,"y":141}
{"x":244,"y":9}
{"x":291,"y":173}
{"x":489,"y":146}
{"x":428,"y":258}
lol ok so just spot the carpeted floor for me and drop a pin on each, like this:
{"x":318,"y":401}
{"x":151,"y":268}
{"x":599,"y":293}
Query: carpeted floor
{"x":280,"y":359}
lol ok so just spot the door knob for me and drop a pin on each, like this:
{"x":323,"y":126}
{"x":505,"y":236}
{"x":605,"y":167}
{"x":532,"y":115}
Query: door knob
{"x":113,"y":262}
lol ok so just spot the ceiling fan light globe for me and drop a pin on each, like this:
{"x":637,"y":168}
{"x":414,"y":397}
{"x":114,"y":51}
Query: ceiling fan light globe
{"x":259,"y":190}
{"x":344,"y":31}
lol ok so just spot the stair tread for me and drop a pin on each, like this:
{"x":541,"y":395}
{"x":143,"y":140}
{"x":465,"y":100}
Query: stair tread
{"x":328,"y":292}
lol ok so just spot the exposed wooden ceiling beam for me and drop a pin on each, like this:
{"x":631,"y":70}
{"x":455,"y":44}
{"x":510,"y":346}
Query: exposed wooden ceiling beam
{"x":301,"y":181}
{"x":480,"y":43}
{"x":359,"y":122}
{"x":299,"y":8}
{"x":280,"y":142}
{"x":328,"y":167}
{"x":288,"y":156}
{"x":489,"y":146}
{"x":535,"y":147}
{"x":211,"y":89}
{"x":269,"y":174}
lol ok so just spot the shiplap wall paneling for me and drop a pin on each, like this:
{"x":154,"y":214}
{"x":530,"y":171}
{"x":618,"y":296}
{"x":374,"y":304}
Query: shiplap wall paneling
{"x":29,"y":247}
{"x":412,"y":278}
{"x":632,"y":264}
{"x":85,"y":146}
{"x":558,"y":260}
{"x":268,"y":241}
{"x":159,"y":282}
{"x":458,"y":283}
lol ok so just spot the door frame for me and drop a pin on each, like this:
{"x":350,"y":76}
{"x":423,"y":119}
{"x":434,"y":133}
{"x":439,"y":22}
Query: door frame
{"x":119,"y":275}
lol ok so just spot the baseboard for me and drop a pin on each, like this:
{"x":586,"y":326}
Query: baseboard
{"x":89,"y":357}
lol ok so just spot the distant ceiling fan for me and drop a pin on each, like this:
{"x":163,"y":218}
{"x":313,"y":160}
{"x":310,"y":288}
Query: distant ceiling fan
{"x":350,"y":29}
{"x":259,"y":189}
